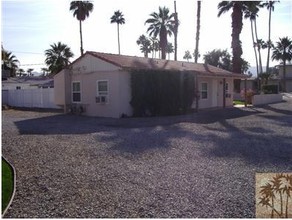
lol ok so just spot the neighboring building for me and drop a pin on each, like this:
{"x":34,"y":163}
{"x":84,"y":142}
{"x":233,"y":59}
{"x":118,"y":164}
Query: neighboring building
{"x":288,"y":76}
{"x":99,"y":83}
{"x":27,"y":82}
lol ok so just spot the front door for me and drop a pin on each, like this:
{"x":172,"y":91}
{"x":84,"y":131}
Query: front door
{"x":220,"y":93}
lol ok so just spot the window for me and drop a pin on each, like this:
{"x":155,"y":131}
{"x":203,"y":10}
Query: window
{"x":18,"y":87}
{"x":204,"y":90}
{"x":102,"y":91}
{"x":76,"y":92}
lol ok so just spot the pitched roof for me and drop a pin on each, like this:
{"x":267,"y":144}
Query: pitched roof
{"x":133,"y":62}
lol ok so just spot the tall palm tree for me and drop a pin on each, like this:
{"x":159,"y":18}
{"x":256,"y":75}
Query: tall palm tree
{"x":29,"y":71}
{"x":251,"y":14}
{"x":196,"y":52}
{"x":283,"y":52}
{"x":238,"y":7}
{"x":270,"y":6}
{"x":81,"y":10}
{"x":57,"y":57}
{"x":175,"y":32}
{"x":161,"y":24}
{"x":118,"y":18}
{"x":21,"y":72}
{"x":145,"y":45}
{"x":278,"y":189}
{"x":268,"y":192}
{"x":45,"y":71}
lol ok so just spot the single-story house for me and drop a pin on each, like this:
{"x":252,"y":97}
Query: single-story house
{"x":288,"y":76}
{"x":27,"y":82}
{"x":99,"y":84}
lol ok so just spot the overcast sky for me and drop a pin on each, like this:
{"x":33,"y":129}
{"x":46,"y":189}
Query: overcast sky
{"x":30,"y":26}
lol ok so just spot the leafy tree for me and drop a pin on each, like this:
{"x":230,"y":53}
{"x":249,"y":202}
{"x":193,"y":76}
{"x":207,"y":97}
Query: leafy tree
{"x":145,"y":45}
{"x":161,"y":24}
{"x":169,"y":49}
{"x":218,"y":58}
{"x":81,"y":10}
{"x":9,"y":61}
{"x":222,"y":59}
{"x":187,"y":55}
{"x":196,"y":52}
{"x":57,"y":57}
{"x":118,"y":18}
{"x":155,"y":46}
{"x":283,"y":52}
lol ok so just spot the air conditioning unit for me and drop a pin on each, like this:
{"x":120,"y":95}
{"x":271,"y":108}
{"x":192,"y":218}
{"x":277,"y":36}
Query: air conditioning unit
{"x":101,"y":99}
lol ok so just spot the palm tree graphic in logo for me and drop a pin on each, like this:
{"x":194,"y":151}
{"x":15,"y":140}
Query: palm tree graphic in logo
{"x":275,"y":196}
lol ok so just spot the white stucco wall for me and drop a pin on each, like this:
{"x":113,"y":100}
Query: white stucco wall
{"x":215,"y":92}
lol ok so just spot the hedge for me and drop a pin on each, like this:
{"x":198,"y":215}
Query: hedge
{"x":160,"y":92}
{"x":270,"y":89}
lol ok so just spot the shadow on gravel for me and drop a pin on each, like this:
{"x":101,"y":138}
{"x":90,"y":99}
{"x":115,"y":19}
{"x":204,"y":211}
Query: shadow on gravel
{"x":258,"y":146}
{"x":72,"y":124}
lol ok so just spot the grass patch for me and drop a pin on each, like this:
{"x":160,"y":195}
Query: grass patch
{"x":238,"y":102}
{"x":7,"y":184}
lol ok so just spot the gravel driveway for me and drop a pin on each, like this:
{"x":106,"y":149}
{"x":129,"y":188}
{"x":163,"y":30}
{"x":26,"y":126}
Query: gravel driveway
{"x":200,"y":165}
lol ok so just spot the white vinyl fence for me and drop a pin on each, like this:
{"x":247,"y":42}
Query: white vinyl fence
{"x":30,"y":98}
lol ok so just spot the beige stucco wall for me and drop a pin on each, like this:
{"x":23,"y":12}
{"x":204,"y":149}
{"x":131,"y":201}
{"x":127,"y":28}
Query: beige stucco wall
{"x":118,"y":97}
{"x":88,"y":70}
{"x":62,"y":88}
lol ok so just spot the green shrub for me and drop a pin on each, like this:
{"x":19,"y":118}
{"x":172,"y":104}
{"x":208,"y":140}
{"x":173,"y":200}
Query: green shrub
{"x":270,"y":89}
{"x":158,"y":92}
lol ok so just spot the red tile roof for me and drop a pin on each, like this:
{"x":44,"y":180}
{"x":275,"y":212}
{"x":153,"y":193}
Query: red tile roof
{"x":133,"y":62}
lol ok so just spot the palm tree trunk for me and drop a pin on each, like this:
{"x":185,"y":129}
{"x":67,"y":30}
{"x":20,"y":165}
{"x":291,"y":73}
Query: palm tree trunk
{"x":118,"y":26}
{"x":259,"y":47}
{"x":175,"y":31}
{"x":269,"y":40}
{"x":272,"y":214}
{"x":286,"y":211}
{"x":163,"y":43}
{"x":236,"y":43}
{"x":198,"y":31}
{"x":81,"y":42}
{"x":255,"y":53}
{"x":284,"y":75}
{"x":281,"y":202}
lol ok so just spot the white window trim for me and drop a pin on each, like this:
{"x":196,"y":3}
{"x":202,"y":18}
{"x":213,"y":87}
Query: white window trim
{"x":227,"y":93}
{"x":97,"y":92}
{"x":76,"y":92}
{"x":205,"y":91}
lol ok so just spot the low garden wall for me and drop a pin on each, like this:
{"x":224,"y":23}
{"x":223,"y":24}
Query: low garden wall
{"x":266,"y":99}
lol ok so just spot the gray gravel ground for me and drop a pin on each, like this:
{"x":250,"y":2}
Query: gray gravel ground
{"x":200,"y":165}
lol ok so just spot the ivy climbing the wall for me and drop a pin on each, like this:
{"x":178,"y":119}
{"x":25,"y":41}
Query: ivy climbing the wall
{"x":160,"y":92}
